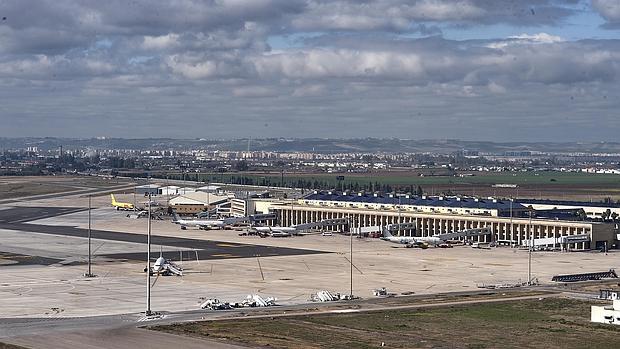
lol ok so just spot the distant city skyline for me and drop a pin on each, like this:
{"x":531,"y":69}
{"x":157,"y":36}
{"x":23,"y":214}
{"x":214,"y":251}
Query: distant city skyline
{"x":530,"y":70}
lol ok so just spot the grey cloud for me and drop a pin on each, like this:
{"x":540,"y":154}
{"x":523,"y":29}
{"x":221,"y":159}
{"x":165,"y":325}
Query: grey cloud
{"x":400,"y":15}
{"x":610,"y":10}
{"x":80,"y":67}
{"x":435,"y":60}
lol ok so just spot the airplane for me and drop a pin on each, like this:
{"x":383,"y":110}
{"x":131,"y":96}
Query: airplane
{"x":411,"y":241}
{"x":275,"y":232}
{"x":297,"y":229}
{"x":165,"y":267}
{"x":203,"y":223}
{"x":435,"y":240}
{"x":121,"y":205}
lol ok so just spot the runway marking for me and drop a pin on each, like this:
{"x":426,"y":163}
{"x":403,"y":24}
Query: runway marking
{"x":226,"y":245}
{"x":224,"y":255}
{"x":151,"y":318}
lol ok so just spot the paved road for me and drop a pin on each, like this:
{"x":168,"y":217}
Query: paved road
{"x":124,"y":338}
{"x":205,"y":249}
{"x":122,"y":331}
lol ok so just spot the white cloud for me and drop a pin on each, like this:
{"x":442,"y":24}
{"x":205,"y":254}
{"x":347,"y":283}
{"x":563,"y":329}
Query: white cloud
{"x":526,"y":39}
{"x":162,"y":42}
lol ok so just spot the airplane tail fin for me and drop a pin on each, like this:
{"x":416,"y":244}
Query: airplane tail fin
{"x":386,"y":233}
{"x":113,"y":198}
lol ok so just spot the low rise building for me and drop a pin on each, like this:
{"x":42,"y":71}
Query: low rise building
{"x":195,"y":202}
{"x":606,"y":314}
{"x":432,"y":216}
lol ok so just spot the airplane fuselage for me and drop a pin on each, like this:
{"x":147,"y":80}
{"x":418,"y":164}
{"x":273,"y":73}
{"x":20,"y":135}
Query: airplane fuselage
{"x":414,"y":240}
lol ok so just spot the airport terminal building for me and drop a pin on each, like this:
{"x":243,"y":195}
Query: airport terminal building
{"x":508,"y":222}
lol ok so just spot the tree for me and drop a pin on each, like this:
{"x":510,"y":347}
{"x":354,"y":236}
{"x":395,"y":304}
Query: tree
{"x":241,"y":165}
{"x":419,"y":191}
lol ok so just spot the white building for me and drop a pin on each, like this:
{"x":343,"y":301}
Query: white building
{"x":606,"y":314}
{"x":169,"y":190}
{"x":195,"y":202}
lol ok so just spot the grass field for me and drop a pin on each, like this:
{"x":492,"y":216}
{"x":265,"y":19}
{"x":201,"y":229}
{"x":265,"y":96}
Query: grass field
{"x":16,"y":190}
{"x":550,"y":185}
{"x":10,"y":346}
{"x":549,"y":323}
{"x":396,"y":178}
{"x":16,"y":187}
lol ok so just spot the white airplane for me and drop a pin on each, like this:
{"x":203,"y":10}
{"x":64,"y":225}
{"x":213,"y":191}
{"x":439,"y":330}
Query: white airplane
{"x":165,"y":267}
{"x":203,"y":223}
{"x":276,"y":232}
{"x":298,"y":229}
{"x":411,"y":241}
{"x":435,"y":240}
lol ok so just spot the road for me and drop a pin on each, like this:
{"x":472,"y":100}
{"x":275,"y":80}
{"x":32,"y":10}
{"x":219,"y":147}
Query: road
{"x":124,"y":331}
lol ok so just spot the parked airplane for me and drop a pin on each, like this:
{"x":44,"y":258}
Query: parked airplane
{"x":411,"y":241}
{"x":204,"y":223}
{"x":165,"y":267}
{"x":298,"y":229}
{"x":121,"y":205}
{"x":435,"y":240}
{"x":276,"y":232}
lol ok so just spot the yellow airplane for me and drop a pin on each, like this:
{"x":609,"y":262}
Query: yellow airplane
{"x":121,"y":205}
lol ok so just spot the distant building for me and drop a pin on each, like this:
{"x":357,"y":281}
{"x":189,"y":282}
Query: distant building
{"x":147,"y":189}
{"x":169,"y":190}
{"x":606,"y":314}
{"x":210,"y":189}
{"x":592,"y":209}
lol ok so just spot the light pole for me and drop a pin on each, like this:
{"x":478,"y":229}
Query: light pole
{"x":89,"y":274}
{"x":351,"y":259}
{"x":148,"y":263}
{"x":529,"y":261}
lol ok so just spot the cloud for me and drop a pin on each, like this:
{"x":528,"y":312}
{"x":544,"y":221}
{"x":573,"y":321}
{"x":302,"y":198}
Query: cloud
{"x":309,"y":90}
{"x":364,"y":63}
{"x":526,"y":39}
{"x":610,"y":10}
{"x":254,"y":91}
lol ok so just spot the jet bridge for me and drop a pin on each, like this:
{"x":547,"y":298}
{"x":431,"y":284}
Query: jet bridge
{"x":400,"y":227}
{"x":465,"y":233}
{"x":323,"y":224}
{"x":559,"y":241}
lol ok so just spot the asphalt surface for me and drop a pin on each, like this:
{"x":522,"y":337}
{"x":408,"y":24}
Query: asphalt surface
{"x":26,"y":214}
{"x":14,"y":218}
{"x":124,"y":330}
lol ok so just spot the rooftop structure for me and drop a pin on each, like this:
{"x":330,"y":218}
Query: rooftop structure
{"x":437,"y":204}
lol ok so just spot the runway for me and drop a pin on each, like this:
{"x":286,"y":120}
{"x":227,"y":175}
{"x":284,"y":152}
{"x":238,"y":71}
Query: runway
{"x":14,"y":219}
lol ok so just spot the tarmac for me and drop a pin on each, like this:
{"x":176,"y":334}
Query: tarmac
{"x":43,"y":254}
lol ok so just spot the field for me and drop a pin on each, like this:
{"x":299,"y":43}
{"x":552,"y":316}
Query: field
{"x":548,"y":323}
{"x":16,"y":187}
{"x":551,"y":185}
{"x":10,"y":346}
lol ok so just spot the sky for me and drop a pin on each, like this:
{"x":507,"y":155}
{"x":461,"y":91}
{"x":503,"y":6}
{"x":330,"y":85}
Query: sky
{"x":496,"y":70}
